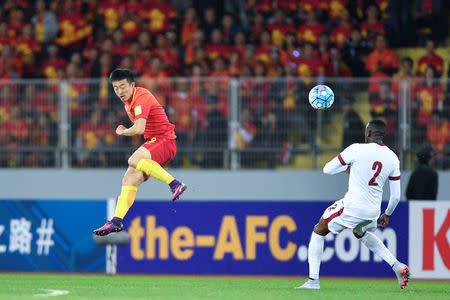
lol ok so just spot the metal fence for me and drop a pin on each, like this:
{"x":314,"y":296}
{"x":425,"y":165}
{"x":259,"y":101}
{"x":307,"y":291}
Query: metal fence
{"x":221,"y":122}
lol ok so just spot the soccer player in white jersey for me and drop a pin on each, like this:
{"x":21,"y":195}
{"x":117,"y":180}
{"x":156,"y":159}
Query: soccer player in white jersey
{"x":371,"y":163}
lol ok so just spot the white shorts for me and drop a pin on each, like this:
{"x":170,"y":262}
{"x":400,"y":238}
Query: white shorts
{"x":337,"y":220}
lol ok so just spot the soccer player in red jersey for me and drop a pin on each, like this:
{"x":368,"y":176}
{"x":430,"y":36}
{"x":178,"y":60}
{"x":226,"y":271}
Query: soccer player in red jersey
{"x":148,"y":160}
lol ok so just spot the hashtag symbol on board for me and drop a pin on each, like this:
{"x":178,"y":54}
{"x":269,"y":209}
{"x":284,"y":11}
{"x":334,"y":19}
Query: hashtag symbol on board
{"x":45,"y":241}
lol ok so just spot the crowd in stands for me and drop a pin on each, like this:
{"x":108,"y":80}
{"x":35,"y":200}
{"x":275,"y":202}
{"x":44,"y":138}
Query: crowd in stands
{"x":289,"y":45}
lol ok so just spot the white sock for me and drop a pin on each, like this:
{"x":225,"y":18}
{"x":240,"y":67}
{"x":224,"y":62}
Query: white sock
{"x":372,"y":242}
{"x":315,"y":251}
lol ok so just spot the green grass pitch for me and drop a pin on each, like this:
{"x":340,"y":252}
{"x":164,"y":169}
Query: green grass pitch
{"x":98,"y":287}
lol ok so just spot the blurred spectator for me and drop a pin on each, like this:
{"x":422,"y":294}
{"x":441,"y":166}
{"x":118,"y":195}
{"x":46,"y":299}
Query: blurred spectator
{"x":11,"y":65}
{"x":103,"y":92}
{"x":382,"y":63}
{"x":121,"y":45}
{"x":335,"y":8}
{"x":111,"y":11}
{"x":237,"y":7}
{"x":396,"y":16}
{"x":215,"y":135}
{"x":234,"y":68}
{"x":209,"y":22}
{"x":429,"y":97}
{"x":229,"y":28}
{"x":76,"y":94}
{"x":40,"y":136}
{"x":26,"y":101}
{"x":406,"y":75}
{"x":257,"y":28}
{"x":309,"y":5}
{"x":310,"y":31}
{"x":279,"y":27}
{"x":90,"y":141}
{"x":309,"y":66}
{"x":159,"y":15}
{"x":269,"y":136}
{"x":7,"y":100}
{"x":28,"y":47}
{"x":5,"y":38}
{"x":240,"y":44}
{"x":16,"y":23}
{"x":430,"y":59}
{"x":263,"y":50}
{"x":343,"y":30}
{"x":189,"y":27}
{"x":45,"y":23}
{"x":324,"y":47}
{"x":438,"y":134}
{"x":131,"y":25}
{"x":217,"y":47}
{"x":168,"y":55}
{"x":423,"y":183}
{"x":431,"y":19}
{"x":14,"y":132}
{"x":46,"y":103}
{"x":353,"y":125}
{"x":192,"y":47}
{"x":52,"y":62}
{"x":245,"y":134}
{"x":372,"y":26}
{"x":335,"y":67}
{"x":355,"y":52}
{"x":74,"y":30}
{"x":290,"y":51}
{"x":385,"y":107}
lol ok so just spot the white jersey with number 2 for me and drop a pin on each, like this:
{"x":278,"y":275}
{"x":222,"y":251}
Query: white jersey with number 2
{"x":371,"y":165}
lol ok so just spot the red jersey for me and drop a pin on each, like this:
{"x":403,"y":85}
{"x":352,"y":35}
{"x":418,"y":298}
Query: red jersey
{"x":387,"y":59}
{"x":340,"y":34}
{"x":309,"y":33}
{"x":131,"y":29}
{"x":307,"y":5}
{"x":435,"y":60}
{"x":430,"y":98}
{"x":92,"y":134}
{"x":335,"y":8}
{"x":144,"y":105}
{"x":369,"y":30}
{"x":439,"y":135}
{"x":279,"y":31}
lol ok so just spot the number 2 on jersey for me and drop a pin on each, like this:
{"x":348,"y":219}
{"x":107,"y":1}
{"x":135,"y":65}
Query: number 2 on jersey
{"x":376,"y":166}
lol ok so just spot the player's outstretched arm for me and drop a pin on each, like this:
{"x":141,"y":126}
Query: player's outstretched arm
{"x":137,"y":128}
{"x":334,"y":166}
{"x":394,"y":186}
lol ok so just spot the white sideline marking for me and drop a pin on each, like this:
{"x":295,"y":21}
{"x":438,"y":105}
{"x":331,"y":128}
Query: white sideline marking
{"x":51,"y":293}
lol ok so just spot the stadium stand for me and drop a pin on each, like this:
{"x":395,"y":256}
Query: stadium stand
{"x":271,"y":51}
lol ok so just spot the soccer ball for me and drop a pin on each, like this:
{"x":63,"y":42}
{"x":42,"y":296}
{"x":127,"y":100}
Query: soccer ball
{"x":321,"y":97}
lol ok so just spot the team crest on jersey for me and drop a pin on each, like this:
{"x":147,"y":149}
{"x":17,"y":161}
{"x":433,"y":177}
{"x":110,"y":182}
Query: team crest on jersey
{"x":138,"y":110}
{"x":151,"y":141}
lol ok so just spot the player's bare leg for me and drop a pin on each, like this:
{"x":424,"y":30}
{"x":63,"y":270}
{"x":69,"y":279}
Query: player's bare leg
{"x":142,"y":161}
{"x":315,"y":250}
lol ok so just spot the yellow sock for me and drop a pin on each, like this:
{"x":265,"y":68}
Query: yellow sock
{"x":153,"y":169}
{"x":125,"y":200}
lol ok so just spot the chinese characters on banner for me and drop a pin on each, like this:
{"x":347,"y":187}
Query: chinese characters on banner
{"x":21,"y":237}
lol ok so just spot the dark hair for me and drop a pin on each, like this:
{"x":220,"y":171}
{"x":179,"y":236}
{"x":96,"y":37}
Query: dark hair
{"x":119,"y":74}
{"x":378,"y":128}
{"x":424,"y":155}
{"x":408,"y":60}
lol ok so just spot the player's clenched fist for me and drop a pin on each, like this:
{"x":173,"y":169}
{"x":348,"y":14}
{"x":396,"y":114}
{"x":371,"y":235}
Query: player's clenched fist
{"x":384,"y":221}
{"x":120,"y":129}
